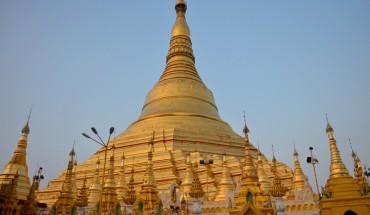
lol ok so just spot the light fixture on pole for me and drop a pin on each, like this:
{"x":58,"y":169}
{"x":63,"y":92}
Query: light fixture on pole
{"x":312,"y":160}
{"x":105,"y":145}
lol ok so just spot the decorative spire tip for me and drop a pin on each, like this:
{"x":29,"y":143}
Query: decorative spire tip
{"x":245,"y":129}
{"x":328,"y":126}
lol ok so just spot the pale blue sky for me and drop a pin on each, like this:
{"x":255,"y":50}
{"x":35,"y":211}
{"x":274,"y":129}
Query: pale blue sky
{"x":91,"y":63}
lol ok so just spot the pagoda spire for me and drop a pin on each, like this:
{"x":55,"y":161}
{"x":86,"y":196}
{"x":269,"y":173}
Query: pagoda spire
{"x":148,"y":201}
{"x":94,"y":190}
{"x":66,"y":199}
{"x":298,"y":176}
{"x":337,"y":167}
{"x":341,"y":186}
{"x":131,"y":193}
{"x":121,"y":185}
{"x":109,"y":198}
{"x":74,"y":181}
{"x":226,"y":184}
{"x":196,"y":190}
{"x":263,"y":179}
{"x":188,"y":174}
{"x":149,"y":179}
{"x":18,"y":165}
{"x":278,"y":190}
{"x":250,"y":196}
{"x":180,"y":84}
{"x":82,"y":199}
{"x":360,"y":178}
{"x":250,"y":172}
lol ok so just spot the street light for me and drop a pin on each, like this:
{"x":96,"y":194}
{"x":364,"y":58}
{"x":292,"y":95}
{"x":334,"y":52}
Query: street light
{"x":314,"y":161}
{"x":105,"y":145}
{"x":37,"y":178}
{"x":206,"y":163}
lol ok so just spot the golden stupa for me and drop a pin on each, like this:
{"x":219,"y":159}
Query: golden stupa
{"x":342,"y":193}
{"x":180,"y":117}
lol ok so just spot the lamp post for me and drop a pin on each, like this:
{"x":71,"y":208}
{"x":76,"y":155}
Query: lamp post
{"x":206,"y":162}
{"x":314,"y":161}
{"x":37,"y":178}
{"x":105,"y":145}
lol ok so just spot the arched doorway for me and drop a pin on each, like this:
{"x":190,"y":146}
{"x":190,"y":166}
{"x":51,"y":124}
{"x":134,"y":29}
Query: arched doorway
{"x":350,"y":212}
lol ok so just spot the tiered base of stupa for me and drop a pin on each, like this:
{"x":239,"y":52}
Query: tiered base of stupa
{"x":169,"y":160}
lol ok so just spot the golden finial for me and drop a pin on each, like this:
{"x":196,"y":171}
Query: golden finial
{"x":295,"y":150}
{"x":273,"y":153}
{"x":180,"y":28}
{"x":181,"y":6}
{"x":328,"y":126}
{"x":245,"y":129}
{"x":353,"y":152}
{"x":72,"y":152}
{"x":26,"y":128}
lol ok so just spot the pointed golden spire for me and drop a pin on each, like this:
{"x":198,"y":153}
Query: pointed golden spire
{"x":245,"y":129}
{"x":180,"y":85}
{"x":226,"y":184}
{"x":95,"y":188}
{"x":18,"y":164}
{"x":358,"y":171}
{"x":82,"y":199}
{"x":278,"y":190}
{"x":196,"y":190}
{"x":149,"y":179}
{"x":66,"y":198}
{"x":74,"y":182}
{"x":337,"y":167}
{"x":131,"y":193}
{"x":188,"y":174}
{"x":225,"y":178}
{"x":109,"y":198}
{"x":26,"y":128}
{"x":249,"y":172}
{"x":121,"y":185}
{"x":180,"y":27}
{"x":263,"y":179}
{"x":298,"y":176}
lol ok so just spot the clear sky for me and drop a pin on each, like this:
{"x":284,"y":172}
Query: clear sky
{"x":91,"y":63}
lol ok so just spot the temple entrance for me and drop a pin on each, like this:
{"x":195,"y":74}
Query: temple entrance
{"x":350,"y":212}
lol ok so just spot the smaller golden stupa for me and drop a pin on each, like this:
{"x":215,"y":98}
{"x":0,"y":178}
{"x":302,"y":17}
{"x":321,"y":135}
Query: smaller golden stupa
{"x":341,"y":194}
{"x":250,"y":199}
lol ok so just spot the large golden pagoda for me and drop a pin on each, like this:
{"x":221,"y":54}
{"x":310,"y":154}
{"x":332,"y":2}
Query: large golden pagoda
{"x":180,"y":117}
